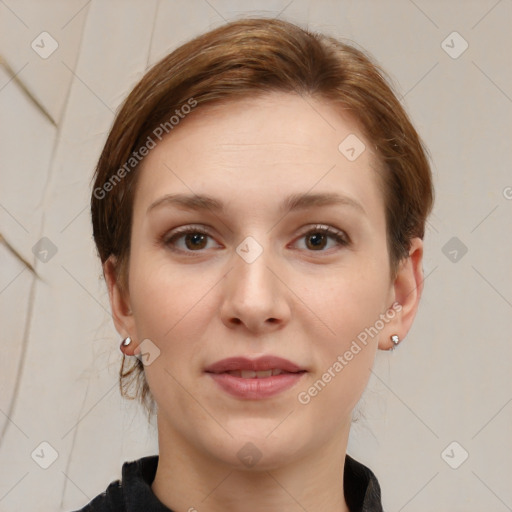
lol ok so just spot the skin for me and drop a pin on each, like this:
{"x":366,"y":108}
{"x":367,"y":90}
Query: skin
{"x":301,"y":301}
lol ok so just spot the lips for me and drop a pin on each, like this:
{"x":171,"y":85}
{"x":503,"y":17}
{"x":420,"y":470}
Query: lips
{"x":255,"y":379}
{"x":245,"y":366}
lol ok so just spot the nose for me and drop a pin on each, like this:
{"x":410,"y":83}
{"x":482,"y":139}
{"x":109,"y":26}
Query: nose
{"x":255,"y":295}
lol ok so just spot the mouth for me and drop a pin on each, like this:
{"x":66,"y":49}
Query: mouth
{"x":255,"y":379}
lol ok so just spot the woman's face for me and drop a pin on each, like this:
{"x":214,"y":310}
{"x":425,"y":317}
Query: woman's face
{"x":255,"y":278}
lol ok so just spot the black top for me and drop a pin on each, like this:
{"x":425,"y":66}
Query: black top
{"x":134,"y":494}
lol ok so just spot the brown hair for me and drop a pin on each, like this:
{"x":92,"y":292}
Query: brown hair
{"x":241,"y":59}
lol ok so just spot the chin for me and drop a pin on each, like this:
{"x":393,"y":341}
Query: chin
{"x":256,"y":452}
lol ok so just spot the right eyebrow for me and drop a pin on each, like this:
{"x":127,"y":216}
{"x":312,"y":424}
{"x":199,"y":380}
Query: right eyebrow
{"x":188,"y":201}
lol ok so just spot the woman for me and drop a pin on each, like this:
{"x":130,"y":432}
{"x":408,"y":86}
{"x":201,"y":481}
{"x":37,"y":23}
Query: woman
{"x":259,"y":210}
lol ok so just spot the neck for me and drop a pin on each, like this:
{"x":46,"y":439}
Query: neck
{"x":190,"y":481}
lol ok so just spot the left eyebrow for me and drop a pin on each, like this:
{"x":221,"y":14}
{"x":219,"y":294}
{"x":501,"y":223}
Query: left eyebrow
{"x":291,"y":203}
{"x":303,"y":201}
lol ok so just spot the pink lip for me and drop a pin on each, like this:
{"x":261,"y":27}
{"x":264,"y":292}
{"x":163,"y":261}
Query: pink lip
{"x":255,"y":388}
{"x":262,"y":363}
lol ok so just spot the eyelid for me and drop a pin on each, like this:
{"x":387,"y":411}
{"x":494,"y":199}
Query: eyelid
{"x":183,"y":230}
{"x":196,"y":228}
{"x":327,"y":229}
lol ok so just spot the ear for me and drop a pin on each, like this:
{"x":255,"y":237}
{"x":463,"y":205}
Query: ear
{"x":406,"y":291}
{"x":121,"y":311}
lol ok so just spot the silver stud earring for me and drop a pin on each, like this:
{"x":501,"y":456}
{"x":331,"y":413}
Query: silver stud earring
{"x":125,"y":343}
{"x":396,"y":340}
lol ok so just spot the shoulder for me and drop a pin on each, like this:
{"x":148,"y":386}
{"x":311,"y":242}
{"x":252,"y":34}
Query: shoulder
{"x":110,"y":500}
{"x":361,"y":487}
{"x":134,"y":486}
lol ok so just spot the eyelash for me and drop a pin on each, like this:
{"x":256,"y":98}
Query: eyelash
{"x":339,"y":236}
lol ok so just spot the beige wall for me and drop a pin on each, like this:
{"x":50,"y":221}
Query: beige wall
{"x":448,"y":381}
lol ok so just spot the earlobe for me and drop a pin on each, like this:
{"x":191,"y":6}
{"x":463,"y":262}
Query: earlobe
{"x":119,"y":303}
{"x":407,"y":288}
{"x":127,"y":348}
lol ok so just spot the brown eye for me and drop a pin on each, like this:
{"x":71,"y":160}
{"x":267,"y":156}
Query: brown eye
{"x":316,"y":241}
{"x":195,"y":239}
{"x":318,"y":238}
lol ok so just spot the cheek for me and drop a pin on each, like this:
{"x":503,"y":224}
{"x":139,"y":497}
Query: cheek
{"x":351,"y":308}
{"x":165,"y":297}
{"x":353,"y":300}
{"x":172,"y":309}
{"x":345,"y":356}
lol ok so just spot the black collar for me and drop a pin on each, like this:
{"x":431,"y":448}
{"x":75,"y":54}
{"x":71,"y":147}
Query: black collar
{"x":134,"y":493}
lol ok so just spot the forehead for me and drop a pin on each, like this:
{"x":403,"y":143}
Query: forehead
{"x":260,"y":149}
